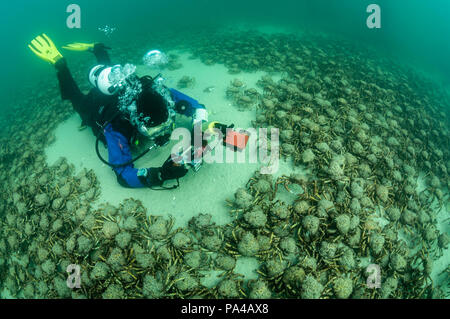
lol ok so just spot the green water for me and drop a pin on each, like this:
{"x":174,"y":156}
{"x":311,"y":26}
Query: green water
{"x":416,"y":31}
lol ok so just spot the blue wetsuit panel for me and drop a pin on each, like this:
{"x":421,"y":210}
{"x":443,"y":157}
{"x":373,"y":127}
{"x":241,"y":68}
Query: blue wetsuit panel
{"x":119,"y":152}
{"x":193,"y":104}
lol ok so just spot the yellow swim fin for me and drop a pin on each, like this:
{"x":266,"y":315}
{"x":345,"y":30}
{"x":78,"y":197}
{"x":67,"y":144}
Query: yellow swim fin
{"x":44,"y":48}
{"x":79,"y":46}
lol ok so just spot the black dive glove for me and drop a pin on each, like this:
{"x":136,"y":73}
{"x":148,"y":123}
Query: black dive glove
{"x":170,"y":170}
{"x":150,"y":176}
{"x":155,"y":176}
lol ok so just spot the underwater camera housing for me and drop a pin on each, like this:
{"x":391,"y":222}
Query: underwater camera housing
{"x":236,"y":140}
{"x":231,"y":138}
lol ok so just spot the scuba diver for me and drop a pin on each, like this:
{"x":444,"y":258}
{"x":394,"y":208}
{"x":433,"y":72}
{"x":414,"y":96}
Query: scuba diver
{"x":121,"y":107}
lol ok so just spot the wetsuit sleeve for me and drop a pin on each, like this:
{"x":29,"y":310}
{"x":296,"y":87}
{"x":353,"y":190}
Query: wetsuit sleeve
{"x":70,"y":91}
{"x":101,"y":53}
{"x":67,"y":85}
{"x":184,"y":104}
{"x":119,"y":152}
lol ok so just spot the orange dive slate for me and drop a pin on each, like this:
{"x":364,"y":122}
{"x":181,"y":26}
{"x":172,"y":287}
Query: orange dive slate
{"x":236,"y":140}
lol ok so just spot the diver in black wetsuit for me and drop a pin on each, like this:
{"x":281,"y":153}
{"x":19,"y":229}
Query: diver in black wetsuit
{"x":117,"y":110}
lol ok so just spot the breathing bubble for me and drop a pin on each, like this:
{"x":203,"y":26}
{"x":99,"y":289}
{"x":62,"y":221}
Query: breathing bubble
{"x":155,"y":58}
{"x":107,"y":30}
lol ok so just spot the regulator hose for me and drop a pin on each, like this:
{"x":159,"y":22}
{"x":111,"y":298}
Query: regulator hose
{"x":123,"y":164}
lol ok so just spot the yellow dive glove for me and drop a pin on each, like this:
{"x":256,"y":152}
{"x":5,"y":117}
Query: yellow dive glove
{"x":79,"y":46}
{"x":44,"y":48}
